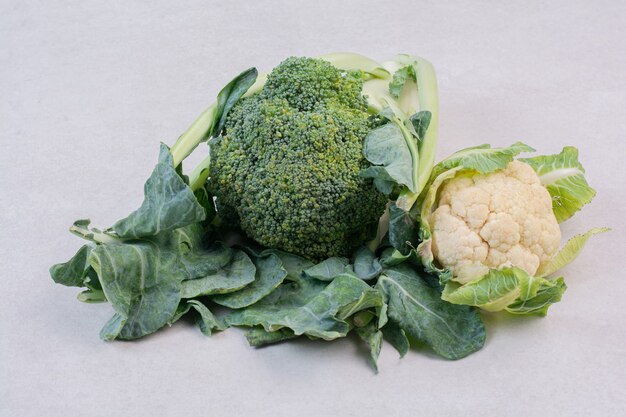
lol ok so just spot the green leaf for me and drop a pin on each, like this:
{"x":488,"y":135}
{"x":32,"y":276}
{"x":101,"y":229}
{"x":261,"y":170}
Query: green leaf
{"x":366,"y":265}
{"x":328,"y":269}
{"x":168,"y":204}
{"x":229,"y":95}
{"x":548,"y":293}
{"x":483,"y":158}
{"x":307,"y":306}
{"x":452,"y":331}
{"x":269,"y":274}
{"x":370,"y":298}
{"x":400,"y":77}
{"x":396,"y":337}
{"x":403,"y":228}
{"x":142,"y":283}
{"x":420,"y":122}
{"x":234,"y":276}
{"x":257,"y":336}
{"x":293,"y":264}
{"x":206,"y":321}
{"x":569,"y":252}
{"x":386,"y":148}
{"x":374,"y":340}
{"x":564,"y":177}
{"x":424,"y":249}
{"x":510,"y":289}
{"x":73,"y":272}
{"x":493,"y":292}
{"x":197,"y":261}
{"x":92,"y":296}
{"x":113,"y":327}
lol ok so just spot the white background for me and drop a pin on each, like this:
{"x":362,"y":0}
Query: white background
{"x":87,"y":91}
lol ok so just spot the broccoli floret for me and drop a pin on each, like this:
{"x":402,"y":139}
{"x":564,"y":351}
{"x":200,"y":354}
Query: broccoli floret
{"x":288,"y":164}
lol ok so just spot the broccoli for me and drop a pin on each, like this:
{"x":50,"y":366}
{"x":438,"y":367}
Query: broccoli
{"x":286,"y":169}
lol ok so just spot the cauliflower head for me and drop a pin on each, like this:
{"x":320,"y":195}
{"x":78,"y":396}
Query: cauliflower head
{"x":495,"y":220}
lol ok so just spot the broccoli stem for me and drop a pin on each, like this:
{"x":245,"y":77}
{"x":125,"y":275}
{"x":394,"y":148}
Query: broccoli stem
{"x":93,"y":235}
{"x":194,"y":135}
{"x":428,"y":101}
{"x":200,"y":174}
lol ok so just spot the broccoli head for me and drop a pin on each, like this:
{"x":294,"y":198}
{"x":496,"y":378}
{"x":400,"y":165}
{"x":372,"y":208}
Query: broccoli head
{"x":287,"y":167}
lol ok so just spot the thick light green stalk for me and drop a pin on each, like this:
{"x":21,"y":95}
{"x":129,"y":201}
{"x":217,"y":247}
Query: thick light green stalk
{"x":194,"y":135}
{"x":81,"y":228}
{"x":200,"y":173}
{"x":428,"y":101}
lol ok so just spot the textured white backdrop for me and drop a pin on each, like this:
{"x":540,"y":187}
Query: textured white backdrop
{"x":89,"y":88}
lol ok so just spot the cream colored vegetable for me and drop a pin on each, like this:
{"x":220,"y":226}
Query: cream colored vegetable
{"x":495,"y":220}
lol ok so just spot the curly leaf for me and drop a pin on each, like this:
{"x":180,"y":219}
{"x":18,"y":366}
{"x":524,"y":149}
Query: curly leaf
{"x":400,"y":77}
{"x":510,"y":289}
{"x":564,"y":177}
{"x":569,"y":252}
{"x":73,"y":272}
{"x":483,"y":158}
{"x":493,"y":292}
{"x":547,"y":293}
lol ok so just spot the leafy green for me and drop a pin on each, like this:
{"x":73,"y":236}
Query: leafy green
{"x":257,"y":336}
{"x":403,"y":228}
{"x":396,"y":337}
{"x":142,"y":283}
{"x":510,"y":289}
{"x":493,"y":292}
{"x":73,"y":272}
{"x":373,"y":337}
{"x":388,"y":149}
{"x":269,"y":274}
{"x":569,"y":252}
{"x":564,"y":177}
{"x":547,"y":293}
{"x":207,"y":322}
{"x":400,"y":77}
{"x":328,"y":268}
{"x":306,"y":307}
{"x":452,"y":331}
{"x":230,"y":95}
{"x":169,"y":203}
{"x":366,"y":265}
{"x":234,"y":276}
{"x":483,"y":158}
{"x":420,"y":122}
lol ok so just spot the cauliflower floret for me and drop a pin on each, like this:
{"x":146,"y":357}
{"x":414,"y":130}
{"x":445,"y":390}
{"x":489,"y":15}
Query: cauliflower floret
{"x":494,"y":220}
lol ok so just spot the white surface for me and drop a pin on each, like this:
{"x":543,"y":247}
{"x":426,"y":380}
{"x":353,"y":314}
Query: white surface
{"x":87,"y":91}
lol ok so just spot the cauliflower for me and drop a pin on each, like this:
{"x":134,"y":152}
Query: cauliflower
{"x":495,"y":220}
